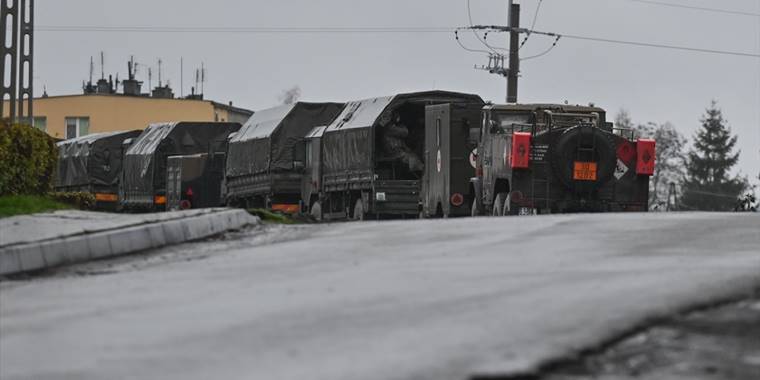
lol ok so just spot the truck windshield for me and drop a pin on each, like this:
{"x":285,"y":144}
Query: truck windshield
{"x":511,"y":121}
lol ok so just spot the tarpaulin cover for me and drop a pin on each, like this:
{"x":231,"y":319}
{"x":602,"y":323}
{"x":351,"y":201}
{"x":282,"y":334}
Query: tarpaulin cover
{"x":348,"y":142}
{"x":92,"y":160}
{"x":145,"y":160}
{"x":267,"y":141}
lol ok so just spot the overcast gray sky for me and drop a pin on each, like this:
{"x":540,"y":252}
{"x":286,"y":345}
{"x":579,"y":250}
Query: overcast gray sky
{"x":252,"y":70}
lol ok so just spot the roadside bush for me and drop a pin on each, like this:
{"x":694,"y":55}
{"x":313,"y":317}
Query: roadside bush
{"x":80,"y":200}
{"x":28,"y":160}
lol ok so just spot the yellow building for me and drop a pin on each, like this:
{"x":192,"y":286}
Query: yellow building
{"x":70,"y":116}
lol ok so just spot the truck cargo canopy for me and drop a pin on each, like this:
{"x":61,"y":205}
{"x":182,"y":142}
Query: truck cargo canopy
{"x":94,"y":159}
{"x":267,"y":141}
{"x":349,"y":141}
{"x":145,"y":160}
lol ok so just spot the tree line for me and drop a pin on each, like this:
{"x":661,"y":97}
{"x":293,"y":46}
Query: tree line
{"x":698,"y":177}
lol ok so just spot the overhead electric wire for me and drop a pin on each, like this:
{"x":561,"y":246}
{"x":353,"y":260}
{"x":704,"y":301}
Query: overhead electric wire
{"x":263,"y":30}
{"x":716,"y":10}
{"x":615,"y":41}
{"x":308,"y":30}
{"x":661,"y":46}
{"x":475,"y":33}
{"x":533,"y":24}
{"x":545,"y":52}
{"x":471,"y":50}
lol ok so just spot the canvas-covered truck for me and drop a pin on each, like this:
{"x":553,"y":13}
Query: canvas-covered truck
{"x":373,"y":156}
{"x":450,"y":155}
{"x":545,"y":158}
{"x":265,"y":163}
{"x":92,"y":164}
{"x":144,"y":184}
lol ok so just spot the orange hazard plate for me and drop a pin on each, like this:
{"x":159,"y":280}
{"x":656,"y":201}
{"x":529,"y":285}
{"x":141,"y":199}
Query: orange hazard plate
{"x":584,"y":171}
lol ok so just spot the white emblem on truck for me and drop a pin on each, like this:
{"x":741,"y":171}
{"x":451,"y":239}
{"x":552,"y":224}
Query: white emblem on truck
{"x":620,"y":170}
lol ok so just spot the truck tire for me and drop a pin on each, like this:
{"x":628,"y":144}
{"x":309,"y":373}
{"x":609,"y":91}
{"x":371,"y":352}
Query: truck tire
{"x":498,"y":204}
{"x":358,"y":210}
{"x":316,"y":211}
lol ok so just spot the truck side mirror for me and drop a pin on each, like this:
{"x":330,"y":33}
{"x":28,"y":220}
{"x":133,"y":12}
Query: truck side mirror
{"x":493,"y":127}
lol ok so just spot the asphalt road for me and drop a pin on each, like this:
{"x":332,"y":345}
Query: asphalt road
{"x":443,"y":299}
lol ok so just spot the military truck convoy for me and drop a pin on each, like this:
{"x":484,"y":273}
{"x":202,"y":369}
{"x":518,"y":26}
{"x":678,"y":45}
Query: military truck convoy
{"x":425,"y":154}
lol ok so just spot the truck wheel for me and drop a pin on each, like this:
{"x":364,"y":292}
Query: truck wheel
{"x":316,"y":211}
{"x":359,"y":210}
{"x":498,"y":204}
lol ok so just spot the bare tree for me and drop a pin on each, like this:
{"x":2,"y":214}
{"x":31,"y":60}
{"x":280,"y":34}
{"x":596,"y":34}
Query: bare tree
{"x":669,"y":160}
{"x":669,"y":156}
{"x":290,"y":95}
{"x":623,"y":119}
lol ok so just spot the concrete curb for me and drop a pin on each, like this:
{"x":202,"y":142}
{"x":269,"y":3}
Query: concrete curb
{"x":120,"y":241}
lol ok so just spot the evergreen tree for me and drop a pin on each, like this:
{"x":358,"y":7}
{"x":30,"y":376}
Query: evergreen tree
{"x":708,"y":184}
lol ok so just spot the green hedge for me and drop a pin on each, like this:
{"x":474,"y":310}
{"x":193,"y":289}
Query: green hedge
{"x":28,"y":160}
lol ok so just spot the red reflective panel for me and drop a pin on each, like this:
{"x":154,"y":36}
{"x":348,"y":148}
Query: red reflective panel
{"x":626,"y":151}
{"x":519,"y":157}
{"x":645,"y":153}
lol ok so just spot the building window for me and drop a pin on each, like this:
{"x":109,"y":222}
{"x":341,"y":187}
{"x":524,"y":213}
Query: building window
{"x":77,"y":127}
{"x":40,"y":122}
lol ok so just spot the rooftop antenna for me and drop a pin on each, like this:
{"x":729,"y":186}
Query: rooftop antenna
{"x":182,"y":77}
{"x":92,"y":68}
{"x":203,"y":76}
{"x":197,"y":78}
{"x":132,"y":67}
{"x":102,"y":65}
{"x":159,"y":72}
{"x":150,"y":78}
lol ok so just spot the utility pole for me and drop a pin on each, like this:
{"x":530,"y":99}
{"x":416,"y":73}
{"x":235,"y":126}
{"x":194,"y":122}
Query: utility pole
{"x":497,"y":61}
{"x":17,"y":19}
{"x":514,"y":52}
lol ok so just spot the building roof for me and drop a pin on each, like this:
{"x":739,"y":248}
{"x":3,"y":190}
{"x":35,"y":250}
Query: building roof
{"x":149,"y":98}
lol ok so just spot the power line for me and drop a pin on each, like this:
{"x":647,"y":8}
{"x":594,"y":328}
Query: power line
{"x":716,"y":10}
{"x":253,"y":30}
{"x":477,"y":36}
{"x":349,"y":30}
{"x":545,"y":52}
{"x":498,"y":28}
{"x":661,"y":46}
{"x":533,"y":24}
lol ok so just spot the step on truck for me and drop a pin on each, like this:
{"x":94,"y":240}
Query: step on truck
{"x":544,"y":158}
{"x":373,"y":157}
